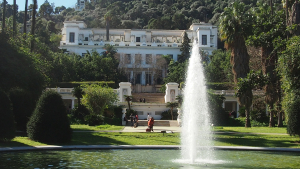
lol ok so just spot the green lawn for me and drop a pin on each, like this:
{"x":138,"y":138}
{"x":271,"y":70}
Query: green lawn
{"x":95,"y":128}
{"x":120,"y":138}
{"x":281,"y":130}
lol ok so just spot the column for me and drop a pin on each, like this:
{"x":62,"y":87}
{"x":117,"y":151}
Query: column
{"x":73,"y":104}
{"x":237,"y":109}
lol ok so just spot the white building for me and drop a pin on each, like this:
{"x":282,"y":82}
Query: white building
{"x":79,"y":6}
{"x":139,"y":50}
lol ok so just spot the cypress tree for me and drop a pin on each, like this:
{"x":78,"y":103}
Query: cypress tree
{"x":49,"y":122}
{"x":185,"y":49}
{"x":7,"y":129}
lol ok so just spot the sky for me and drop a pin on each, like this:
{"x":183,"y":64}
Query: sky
{"x":66,"y":3}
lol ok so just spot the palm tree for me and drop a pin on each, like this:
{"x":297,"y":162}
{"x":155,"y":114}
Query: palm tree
{"x":3,"y":16}
{"x":179,"y":99}
{"x":78,"y":92}
{"x":128,"y":99}
{"x":107,"y":18}
{"x":33,"y":23}
{"x":235,"y":26}
{"x":25,"y":17}
{"x":172,"y":105}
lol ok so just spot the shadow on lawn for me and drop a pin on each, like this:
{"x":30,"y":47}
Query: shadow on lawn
{"x":256,"y":140}
{"x":15,"y":143}
{"x":91,"y":138}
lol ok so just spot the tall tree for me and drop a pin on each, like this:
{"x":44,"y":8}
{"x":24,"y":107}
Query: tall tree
{"x":185,"y":49}
{"x":25,"y":17}
{"x":107,"y":18}
{"x":78,"y":93}
{"x":235,"y":25}
{"x":3,"y":16}
{"x":14,"y":18}
{"x":33,"y":23}
{"x":266,"y":30}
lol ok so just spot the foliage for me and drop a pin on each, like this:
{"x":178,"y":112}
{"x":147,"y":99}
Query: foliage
{"x":219,"y":68}
{"x":166,"y":115}
{"x":49,"y":122}
{"x":97,"y":98}
{"x":23,"y":105}
{"x":289,"y":71}
{"x":218,"y":115}
{"x":252,"y":81}
{"x":77,"y":115}
{"x":7,"y":128}
{"x":172,"y":105}
{"x":185,"y":49}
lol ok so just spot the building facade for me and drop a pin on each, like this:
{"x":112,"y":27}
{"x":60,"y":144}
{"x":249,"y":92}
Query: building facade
{"x":139,"y":50}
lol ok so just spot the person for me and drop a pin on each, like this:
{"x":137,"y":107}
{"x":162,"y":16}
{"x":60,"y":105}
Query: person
{"x":151,"y":123}
{"x":131,"y":119}
{"x":148,"y":117}
{"x":141,"y":100}
{"x":136,"y":118}
{"x":144,"y":100}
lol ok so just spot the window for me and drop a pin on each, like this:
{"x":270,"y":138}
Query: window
{"x":83,"y":54}
{"x":204,"y":39}
{"x":138,"y":58}
{"x":171,"y":56}
{"x":148,"y":58}
{"x":72,"y":37}
{"x":128,"y":59}
{"x":86,"y":39}
{"x":138,"y":39}
{"x":138,"y":78}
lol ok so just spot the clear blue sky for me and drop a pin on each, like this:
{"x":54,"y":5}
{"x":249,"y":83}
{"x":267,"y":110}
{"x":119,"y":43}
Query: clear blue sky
{"x":66,"y":3}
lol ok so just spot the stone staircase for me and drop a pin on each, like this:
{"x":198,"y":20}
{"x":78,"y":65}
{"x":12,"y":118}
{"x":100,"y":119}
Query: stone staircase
{"x":167,"y":123}
{"x":149,"y":97}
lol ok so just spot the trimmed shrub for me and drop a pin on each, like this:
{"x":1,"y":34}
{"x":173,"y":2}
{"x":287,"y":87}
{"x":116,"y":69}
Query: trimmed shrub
{"x":49,"y":122}
{"x":293,"y":112}
{"x":23,"y":106}
{"x":7,"y":128}
{"x":166,"y":115}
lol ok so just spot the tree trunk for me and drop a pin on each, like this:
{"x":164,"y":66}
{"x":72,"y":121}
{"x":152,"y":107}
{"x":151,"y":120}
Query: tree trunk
{"x":271,"y":121}
{"x":14,"y":18}
{"x":172,"y":113}
{"x":247,"y":113}
{"x":107,"y":30}
{"x":33,"y":24}
{"x":3,"y":16}
{"x":279,"y":108}
{"x":25,"y":17}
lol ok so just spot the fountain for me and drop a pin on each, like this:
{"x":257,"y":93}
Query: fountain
{"x":195,"y":135}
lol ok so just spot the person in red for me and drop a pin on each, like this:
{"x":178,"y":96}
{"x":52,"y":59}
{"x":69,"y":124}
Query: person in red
{"x":136,"y":120}
{"x":151,"y":123}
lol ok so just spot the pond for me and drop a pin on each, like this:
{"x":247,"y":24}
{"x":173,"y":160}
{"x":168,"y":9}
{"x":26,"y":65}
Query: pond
{"x":141,"y":158}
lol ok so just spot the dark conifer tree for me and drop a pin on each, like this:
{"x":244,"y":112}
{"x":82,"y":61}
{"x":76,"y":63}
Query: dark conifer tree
{"x":49,"y":122}
{"x":185,"y":49}
{"x":7,"y":128}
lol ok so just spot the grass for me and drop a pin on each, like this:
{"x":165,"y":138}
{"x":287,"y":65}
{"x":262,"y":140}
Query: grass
{"x":281,"y":130}
{"x":95,"y":128}
{"x":241,"y":137}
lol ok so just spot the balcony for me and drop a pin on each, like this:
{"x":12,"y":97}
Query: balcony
{"x":121,"y":44}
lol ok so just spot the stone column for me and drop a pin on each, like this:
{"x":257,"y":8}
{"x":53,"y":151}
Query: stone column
{"x":123,"y":115}
{"x":73,"y":104}
{"x":125,"y":89}
{"x":171,"y":92}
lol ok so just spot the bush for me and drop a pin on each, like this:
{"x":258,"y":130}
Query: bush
{"x":49,"y":122}
{"x":166,"y":115}
{"x":7,"y":128}
{"x":94,"y":119}
{"x":23,"y":106}
{"x":78,"y":114}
